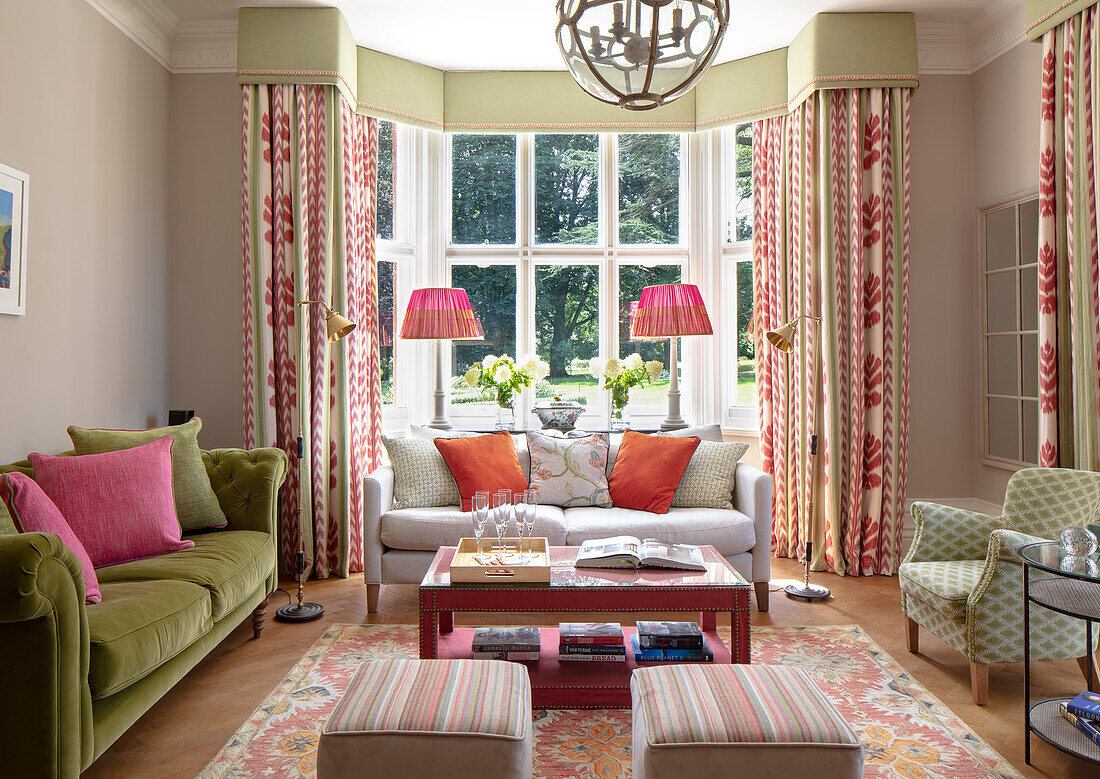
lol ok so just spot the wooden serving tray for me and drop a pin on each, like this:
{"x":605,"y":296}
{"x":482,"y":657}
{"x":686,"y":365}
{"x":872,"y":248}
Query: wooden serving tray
{"x":466,"y":570}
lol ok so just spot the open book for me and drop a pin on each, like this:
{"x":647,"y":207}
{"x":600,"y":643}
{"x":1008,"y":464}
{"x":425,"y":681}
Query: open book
{"x":630,"y":552}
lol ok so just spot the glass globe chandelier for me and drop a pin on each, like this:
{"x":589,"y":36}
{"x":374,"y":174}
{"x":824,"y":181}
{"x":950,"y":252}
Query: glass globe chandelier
{"x":640,"y":54}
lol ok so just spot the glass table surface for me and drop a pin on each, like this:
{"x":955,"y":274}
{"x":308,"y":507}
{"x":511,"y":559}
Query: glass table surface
{"x":1049,"y":556}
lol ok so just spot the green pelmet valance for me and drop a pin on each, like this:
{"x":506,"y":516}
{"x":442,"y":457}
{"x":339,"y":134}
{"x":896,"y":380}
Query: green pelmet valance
{"x":314,"y":45}
{"x":1044,"y":15}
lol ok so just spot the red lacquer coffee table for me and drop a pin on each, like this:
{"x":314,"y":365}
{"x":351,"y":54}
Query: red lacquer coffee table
{"x":580,"y":685}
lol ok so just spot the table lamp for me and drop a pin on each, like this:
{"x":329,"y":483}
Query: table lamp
{"x":439,"y":314}
{"x":670,"y":311}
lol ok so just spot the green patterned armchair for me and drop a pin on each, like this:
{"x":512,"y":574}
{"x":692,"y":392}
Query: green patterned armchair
{"x":962,"y":578}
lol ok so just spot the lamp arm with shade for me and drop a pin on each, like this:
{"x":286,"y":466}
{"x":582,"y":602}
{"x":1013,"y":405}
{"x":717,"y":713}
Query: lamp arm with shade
{"x":782,"y":338}
{"x":337,"y":327}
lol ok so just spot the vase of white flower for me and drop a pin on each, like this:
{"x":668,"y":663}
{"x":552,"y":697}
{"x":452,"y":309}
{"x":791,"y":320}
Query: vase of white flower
{"x":501,"y":378}
{"x":618,"y":377}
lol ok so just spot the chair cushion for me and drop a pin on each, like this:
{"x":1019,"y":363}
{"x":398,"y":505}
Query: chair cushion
{"x":948,"y":583}
{"x":229,"y":564}
{"x":430,"y":528}
{"x":730,"y":532}
{"x":139,"y":626}
{"x":736,"y":704}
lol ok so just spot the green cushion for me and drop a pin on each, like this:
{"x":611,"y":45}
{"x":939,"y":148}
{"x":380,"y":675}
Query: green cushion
{"x":947,"y":585}
{"x":196,"y":504}
{"x":139,"y":626}
{"x":230,"y":564}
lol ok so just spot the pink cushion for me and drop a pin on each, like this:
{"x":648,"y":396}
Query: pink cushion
{"x":119,"y":504}
{"x":34,"y":512}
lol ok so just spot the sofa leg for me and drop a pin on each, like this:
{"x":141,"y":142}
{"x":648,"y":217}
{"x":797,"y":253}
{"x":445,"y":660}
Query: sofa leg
{"x":372,"y":597}
{"x":912,"y":637}
{"x":979,"y":682}
{"x":258,"y":616}
{"x":761,"y":595}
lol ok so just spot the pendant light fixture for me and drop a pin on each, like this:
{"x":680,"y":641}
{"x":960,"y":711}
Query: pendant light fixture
{"x":640,"y":54}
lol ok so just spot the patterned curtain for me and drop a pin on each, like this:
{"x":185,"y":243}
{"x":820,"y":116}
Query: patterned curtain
{"x":1069,"y":321}
{"x":307,"y":194}
{"x":834,"y":243}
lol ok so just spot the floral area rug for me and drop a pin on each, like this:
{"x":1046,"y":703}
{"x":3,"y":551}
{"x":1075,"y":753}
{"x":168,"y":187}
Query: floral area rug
{"x":907,"y":732}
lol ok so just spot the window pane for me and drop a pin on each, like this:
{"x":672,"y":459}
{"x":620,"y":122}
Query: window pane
{"x":567,"y":329}
{"x":492,"y":294}
{"x":1000,"y":239}
{"x":387,"y":277}
{"x":632,"y":280}
{"x":649,"y":188}
{"x":1001,"y":372}
{"x":483,"y":189}
{"x":1000,"y":302}
{"x":742,"y":189}
{"x":746,"y":350}
{"x":1003,"y":425}
{"x":1031,"y":432}
{"x":387,"y":153}
{"x":566,"y":188}
{"x":1029,"y":232}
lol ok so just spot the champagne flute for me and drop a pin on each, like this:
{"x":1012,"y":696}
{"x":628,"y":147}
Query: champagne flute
{"x":531,"y":504}
{"x":521,"y":522}
{"x":502,"y":512}
{"x":480,"y":506}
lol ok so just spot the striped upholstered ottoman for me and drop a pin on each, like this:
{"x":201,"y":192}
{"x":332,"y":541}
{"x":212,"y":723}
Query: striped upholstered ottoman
{"x":755,"y":721}
{"x":428,"y":719}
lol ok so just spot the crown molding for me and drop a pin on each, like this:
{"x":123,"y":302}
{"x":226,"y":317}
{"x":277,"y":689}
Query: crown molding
{"x":966,"y":48}
{"x":205,"y":47}
{"x":181,"y":47}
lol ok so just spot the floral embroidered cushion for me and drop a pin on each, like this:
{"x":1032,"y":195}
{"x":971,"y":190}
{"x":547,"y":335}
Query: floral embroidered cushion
{"x":569,"y":472}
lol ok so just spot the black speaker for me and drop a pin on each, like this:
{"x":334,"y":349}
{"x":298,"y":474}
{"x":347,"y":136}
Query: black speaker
{"x":177,"y":416}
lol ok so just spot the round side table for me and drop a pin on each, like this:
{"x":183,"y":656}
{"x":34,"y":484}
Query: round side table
{"x":1071,"y":586}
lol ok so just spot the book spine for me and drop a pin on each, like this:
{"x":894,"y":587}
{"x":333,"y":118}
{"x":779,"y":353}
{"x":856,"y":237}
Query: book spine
{"x":1089,"y":730}
{"x":666,"y":642}
{"x":703,"y":655}
{"x":486,"y":648}
{"x":589,"y":640}
{"x":591,"y":649}
{"x":521,"y":657}
{"x":605,"y":658}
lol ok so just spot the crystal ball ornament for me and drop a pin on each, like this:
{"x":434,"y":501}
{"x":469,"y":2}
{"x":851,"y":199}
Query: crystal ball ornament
{"x":1078,"y":541}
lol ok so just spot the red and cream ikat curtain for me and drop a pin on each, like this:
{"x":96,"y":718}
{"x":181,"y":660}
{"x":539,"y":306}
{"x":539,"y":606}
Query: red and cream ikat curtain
{"x":1069,"y":318}
{"x":831,"y":239}
{"x":308,"y":231}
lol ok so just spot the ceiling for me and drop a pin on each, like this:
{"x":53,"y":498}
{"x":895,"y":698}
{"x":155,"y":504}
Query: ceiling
{"x":518,"y":34}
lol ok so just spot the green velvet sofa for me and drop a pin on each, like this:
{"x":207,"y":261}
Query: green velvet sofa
{"x":80,"y":675}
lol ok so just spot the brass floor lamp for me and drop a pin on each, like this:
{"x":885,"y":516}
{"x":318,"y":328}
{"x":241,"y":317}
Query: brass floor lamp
{"x":783,"y":340}
{"x":336,"y":327}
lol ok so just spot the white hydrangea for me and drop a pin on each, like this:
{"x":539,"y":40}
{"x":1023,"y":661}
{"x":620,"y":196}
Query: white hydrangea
{"x":595,"y":367}
{"x":530,"y":365}
{"x":503,"y":374}
{"x":612,"y":368}
{"x":653,"y":369}
{"x":542,"y":370}
{"x":633,"y":362}
{"x":487,"y":363}
{"x":473,"y":375}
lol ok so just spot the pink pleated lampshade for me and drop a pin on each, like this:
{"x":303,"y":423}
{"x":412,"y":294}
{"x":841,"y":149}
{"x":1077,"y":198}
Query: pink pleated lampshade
{"x":669,"y":310}
{"x":440,"y":312}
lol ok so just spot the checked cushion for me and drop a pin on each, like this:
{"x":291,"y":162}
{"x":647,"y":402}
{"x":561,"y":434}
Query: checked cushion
{"x":946,"y":584}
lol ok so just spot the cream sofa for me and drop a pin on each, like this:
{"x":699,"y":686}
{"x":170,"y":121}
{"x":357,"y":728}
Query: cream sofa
{"x":398,"y":545}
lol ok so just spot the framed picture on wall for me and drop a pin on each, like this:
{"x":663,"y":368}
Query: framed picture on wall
{"x":14,"y":192}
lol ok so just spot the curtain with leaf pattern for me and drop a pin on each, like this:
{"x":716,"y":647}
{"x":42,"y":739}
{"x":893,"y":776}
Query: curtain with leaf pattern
{"x":308,"y":230}
{"x":831,"y":239}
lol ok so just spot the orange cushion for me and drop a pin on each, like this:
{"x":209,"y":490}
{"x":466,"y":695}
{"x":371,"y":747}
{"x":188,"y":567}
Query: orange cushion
{"x":484,"y":462}
{"x":648,"y":470}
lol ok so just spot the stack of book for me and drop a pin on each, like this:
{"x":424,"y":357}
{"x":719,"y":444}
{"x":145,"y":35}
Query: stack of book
{"x":670,"y":642}
{"x":591,"y":642}
{"x":520,"y":644}
{"x":1084,"y":712}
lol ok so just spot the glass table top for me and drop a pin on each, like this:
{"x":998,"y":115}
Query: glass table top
{"x":1049,"y":556}
{"x":563,"y":574}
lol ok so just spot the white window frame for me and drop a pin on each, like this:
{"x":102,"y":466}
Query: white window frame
{"x":527,"y":255}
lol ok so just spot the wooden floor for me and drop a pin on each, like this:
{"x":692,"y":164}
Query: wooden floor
{"x":186,"y":728}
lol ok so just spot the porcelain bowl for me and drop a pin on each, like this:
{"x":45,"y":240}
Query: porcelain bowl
{"x":560,"y":415}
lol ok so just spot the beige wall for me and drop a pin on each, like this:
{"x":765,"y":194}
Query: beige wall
{"x":85,"y":113}
{"x":1006,"y":165}
{"x":204,"y":251}
{"x":941,"y":292}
